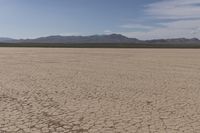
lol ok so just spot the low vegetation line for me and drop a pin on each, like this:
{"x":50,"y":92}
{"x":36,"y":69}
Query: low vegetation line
{"x":99,"y":45}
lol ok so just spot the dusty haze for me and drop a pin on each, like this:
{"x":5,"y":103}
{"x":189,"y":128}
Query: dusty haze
{"x":99,"y":90}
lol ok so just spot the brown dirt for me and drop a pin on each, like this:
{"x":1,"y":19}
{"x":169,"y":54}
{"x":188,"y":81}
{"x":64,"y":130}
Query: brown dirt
{"x":99,"y":90}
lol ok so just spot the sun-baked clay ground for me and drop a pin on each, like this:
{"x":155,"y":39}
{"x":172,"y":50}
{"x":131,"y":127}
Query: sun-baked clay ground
{"x":99,"y":90}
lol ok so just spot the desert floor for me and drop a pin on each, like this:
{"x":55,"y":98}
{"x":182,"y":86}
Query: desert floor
{"x":99,"y":90}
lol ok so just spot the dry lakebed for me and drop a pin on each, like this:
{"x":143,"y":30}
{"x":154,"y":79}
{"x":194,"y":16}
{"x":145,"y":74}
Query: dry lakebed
{"x":66,"y":90}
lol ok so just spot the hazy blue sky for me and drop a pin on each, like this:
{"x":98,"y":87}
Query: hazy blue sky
{"x":143,"y":19}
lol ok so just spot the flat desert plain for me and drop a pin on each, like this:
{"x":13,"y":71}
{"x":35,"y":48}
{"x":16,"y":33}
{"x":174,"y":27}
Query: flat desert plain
{"x":52,"y":90}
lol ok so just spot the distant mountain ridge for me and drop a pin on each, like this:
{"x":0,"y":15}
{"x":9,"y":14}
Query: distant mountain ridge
{"x":113,"y":38}
{"x":176,"y":40}
{"x":6,"y":39}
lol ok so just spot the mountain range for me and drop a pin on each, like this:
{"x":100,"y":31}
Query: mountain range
{"x":5,"y":39}
{"x":113,"y":38}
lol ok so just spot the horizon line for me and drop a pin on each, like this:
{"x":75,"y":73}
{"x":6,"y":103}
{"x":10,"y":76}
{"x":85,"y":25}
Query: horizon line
{"x":97,"y":35}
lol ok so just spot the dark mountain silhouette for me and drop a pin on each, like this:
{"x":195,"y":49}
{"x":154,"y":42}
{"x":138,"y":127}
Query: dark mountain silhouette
{"x":5,"y":39}
{"x":113,"y":40}
{"x":176,"y":41}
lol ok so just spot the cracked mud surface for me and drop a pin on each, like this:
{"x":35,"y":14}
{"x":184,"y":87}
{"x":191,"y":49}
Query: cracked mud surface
{"x":99,"y":90}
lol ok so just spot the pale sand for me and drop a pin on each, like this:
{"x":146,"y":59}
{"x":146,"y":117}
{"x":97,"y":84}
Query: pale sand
{"x":99,"y":90}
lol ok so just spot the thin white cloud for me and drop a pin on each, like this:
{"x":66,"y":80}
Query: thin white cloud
{"x":178,"y":18}
{"x":70,"y":34}
{"x":177,"y":29}
{"x":108,"y":31}
{"x":175,"y":9}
